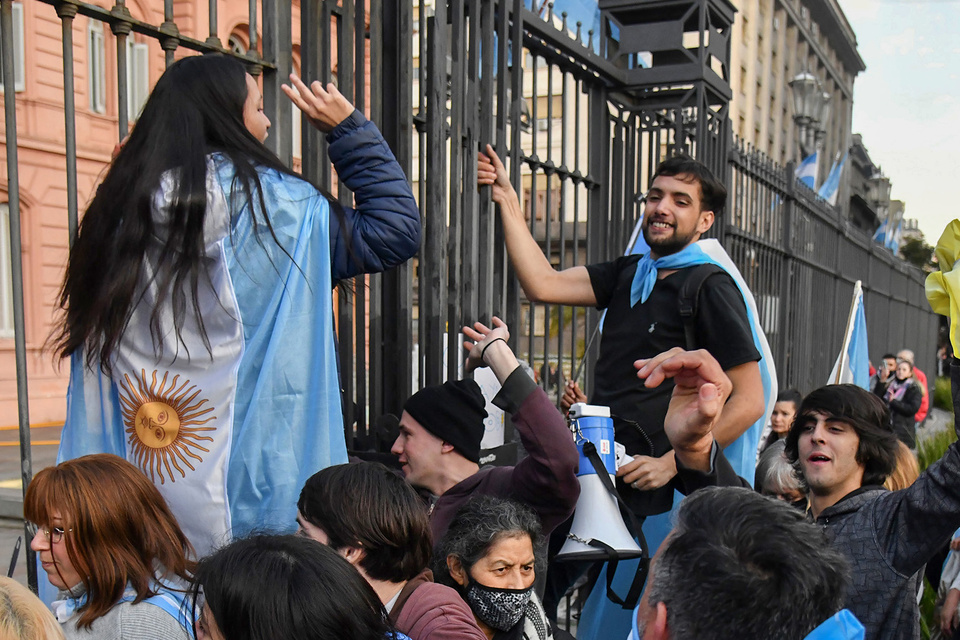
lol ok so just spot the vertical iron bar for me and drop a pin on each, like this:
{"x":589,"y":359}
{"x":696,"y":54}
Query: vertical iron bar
{"x":171,"y":38}
{"x":433,"y":293}
{"x":483,"y":133}
{"x":121,"y":29}
{"x":598,"y":137}
{"x":395,"y":59}
{"x":67,"y":12}
{"x":16,"y":263}
{"x":461,"y":55}
{"x":212,"y":39}
{"x":252,"y":22}
{"x":310,"y":62}
{"x":350,"y":305}
{"x":516,"y":95}
{"x":277,"y":47}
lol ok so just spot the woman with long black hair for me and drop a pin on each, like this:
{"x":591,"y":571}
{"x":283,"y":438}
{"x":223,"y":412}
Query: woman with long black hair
{"x":197,"y":299}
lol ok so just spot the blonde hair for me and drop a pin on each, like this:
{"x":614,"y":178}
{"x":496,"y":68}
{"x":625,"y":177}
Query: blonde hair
{"x":23,"y":616}
{"x":905,"y":472}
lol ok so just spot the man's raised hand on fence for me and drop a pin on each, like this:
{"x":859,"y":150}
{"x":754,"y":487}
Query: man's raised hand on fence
{"x":490,"y":171}
{"x":700,"y":390}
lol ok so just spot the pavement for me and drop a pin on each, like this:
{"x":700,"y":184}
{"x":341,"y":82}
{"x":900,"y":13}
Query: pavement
{"x":45,"y":440}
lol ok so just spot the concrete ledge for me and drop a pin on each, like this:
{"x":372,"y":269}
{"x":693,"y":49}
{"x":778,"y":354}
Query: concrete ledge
{"x":11,"y":508}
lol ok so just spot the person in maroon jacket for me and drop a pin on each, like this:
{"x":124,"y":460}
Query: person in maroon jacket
{"x":370,"y":516}
{"x":442,"y":425}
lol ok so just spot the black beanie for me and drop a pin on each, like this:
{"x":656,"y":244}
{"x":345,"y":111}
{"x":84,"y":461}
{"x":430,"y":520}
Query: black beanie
{"x":454,"y":412}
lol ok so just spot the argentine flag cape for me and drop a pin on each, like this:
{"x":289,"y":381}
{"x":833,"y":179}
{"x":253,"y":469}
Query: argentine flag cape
{"x":742,"y":452}
{"x":228,"y":437}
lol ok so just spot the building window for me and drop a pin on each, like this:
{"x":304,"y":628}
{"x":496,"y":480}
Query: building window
{"x":138,"y":77}
{"x":235,"y":44}
{"x":19,"y":73}
{"x":6,"y":277}
{"x":96,"y":67}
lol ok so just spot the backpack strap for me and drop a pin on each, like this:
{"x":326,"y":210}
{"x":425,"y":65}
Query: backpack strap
{"x":690,"y":299}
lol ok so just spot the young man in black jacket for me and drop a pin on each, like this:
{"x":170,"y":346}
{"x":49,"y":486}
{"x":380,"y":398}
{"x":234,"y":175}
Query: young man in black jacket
{"x":844,"y":447}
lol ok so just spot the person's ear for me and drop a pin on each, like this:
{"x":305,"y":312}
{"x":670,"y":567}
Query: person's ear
{"x":353,"y":555}
{"x":456,"y":570}
{"x":659,"y":629}
{"x":706,"y":221}
{"x":446,"y":447}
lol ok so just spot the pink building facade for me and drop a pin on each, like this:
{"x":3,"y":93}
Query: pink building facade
{"x":42,"y":160}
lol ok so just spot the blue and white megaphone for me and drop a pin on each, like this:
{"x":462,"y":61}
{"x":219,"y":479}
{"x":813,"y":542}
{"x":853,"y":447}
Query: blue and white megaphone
{"x":597,"y":518}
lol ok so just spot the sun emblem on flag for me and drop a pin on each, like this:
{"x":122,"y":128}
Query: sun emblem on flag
{"x":164,"y":423}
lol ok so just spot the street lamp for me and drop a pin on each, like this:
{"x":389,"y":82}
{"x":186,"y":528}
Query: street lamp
{"x":808,"y":99}
{"x":821,"y":121}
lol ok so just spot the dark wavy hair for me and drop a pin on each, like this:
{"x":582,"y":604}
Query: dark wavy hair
{"x":366,"y":505}
{"x":869,"y":417}
{"x":481,"y":523}
{"x":196,"y":108}
{"x":266,"y":587}
{"x":713,"y":193}
{"x":120,"y":528}
{"x":740,"y":565}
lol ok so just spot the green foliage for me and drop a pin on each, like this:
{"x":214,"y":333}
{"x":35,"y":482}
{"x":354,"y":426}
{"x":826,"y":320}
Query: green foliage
{"x":942,"y":397}
{"x":929,"y":450}
{"x":919,"y":253}
{"x":928,"y":607}
{"x":932,"y":448}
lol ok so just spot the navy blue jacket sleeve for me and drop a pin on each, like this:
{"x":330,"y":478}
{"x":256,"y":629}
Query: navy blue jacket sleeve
{"x":384,"y":230}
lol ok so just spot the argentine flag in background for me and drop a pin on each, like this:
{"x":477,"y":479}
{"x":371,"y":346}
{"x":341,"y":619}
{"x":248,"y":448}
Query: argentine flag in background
{"x":853,"y":363}
{"x":807,"y":170}
{"x":228,"y":437}
{"x":830,"y":188}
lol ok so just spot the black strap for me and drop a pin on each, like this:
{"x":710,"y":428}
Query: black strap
{"x":633,"y":525}
{"x":690,"y":299}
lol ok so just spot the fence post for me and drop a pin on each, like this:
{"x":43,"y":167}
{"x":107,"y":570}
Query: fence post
{"x":786,"y":267}
{"x":16,"y":263}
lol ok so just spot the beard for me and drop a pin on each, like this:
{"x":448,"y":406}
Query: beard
{"x":667,"y":246}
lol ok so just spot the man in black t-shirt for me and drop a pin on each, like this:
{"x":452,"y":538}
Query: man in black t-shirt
{"x":643,"y":320}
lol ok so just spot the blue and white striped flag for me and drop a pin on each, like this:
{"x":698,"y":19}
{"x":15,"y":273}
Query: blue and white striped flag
{"x":807,"y":170}
{"x":830,"y":188}
{"x":853,"y":363}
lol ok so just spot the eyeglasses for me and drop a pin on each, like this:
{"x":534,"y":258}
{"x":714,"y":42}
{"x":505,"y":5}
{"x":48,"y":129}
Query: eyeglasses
{"x":53,"y":534}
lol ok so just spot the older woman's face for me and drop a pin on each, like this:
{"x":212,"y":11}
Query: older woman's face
{"x":509,"y":564}
{"x":50,"y":544}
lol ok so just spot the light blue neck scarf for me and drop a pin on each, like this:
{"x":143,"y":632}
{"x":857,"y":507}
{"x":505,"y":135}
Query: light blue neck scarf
{"x":646,"y":275}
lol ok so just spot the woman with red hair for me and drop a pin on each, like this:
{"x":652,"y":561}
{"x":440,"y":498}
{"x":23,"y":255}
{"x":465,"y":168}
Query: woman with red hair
{"x":107,"y":539}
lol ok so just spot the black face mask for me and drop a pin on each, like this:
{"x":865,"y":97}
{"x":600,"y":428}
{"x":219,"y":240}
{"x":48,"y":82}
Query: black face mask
{"x":499,"y":609}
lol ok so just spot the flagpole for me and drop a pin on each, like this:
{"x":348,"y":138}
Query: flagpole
{"x":857,"y":289}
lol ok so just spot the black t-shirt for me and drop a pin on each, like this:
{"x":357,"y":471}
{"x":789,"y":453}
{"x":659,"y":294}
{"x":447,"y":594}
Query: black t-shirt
{"x":650,"y":328}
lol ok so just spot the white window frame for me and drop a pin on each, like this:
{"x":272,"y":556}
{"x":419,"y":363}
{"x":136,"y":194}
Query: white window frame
{"x":138,"y":77}
{"x":19,"y":65}
{"x":6,"y":274}
{"x":96,"y":67}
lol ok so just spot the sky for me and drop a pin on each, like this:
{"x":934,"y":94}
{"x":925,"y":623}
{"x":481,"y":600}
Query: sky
{"x":907,"y":103}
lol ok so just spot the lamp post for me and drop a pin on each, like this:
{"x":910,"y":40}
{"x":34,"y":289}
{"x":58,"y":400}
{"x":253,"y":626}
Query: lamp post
{"x":807,"y":103}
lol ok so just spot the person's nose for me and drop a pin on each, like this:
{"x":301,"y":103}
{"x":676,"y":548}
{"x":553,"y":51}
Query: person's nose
{"x":39,"y":541}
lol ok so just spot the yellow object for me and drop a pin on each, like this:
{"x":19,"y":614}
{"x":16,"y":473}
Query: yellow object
{"x":943,"y":287}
